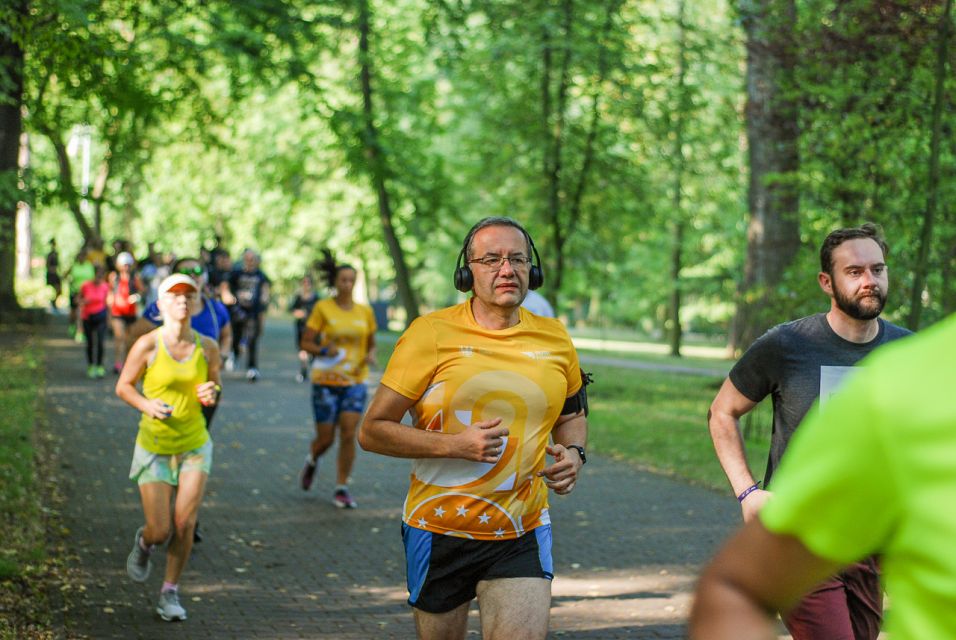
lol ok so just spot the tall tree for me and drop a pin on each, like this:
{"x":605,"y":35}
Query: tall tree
{"x":773,"y":233}
{"x":378,"y":166}
{"x":12,"y":22}
{"x":932,"y":187}
{"x":680,"y":109}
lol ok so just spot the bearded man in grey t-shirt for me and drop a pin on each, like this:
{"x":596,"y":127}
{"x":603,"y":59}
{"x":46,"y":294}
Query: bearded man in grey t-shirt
{"x":795,"y":363}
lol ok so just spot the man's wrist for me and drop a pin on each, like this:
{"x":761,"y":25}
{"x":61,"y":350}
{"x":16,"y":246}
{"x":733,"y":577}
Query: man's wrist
{"x":580,"y":450}
{"x":746,"y":492}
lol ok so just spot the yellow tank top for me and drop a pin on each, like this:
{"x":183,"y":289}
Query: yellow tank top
{"x":174,"y":383}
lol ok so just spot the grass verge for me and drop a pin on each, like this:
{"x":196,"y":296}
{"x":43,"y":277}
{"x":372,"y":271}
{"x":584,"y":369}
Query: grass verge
{"x":31,"y":578}
{"x":659,"y":421}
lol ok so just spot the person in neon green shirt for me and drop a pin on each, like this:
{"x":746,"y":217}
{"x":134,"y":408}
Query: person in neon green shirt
{"x":871,"y":472}
{"x":173,"y":454}
{"x":82,"y":270}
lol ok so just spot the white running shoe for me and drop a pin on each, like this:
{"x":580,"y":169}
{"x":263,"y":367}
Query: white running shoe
{"x":252,"y":374}
{"x":138,"y":565}
{"x":169,"y":608}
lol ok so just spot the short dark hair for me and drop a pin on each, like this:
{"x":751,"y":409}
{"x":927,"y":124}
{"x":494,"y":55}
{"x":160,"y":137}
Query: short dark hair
{"x":867,"y":230}
{"x":494,"y":221}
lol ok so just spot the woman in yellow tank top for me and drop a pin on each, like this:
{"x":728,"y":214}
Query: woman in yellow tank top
{"x":173,"y":454}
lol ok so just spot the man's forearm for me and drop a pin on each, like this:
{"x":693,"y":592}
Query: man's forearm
{"x":400,"y":441}
{"x":729,"y":446}
{"x":573,"y":430}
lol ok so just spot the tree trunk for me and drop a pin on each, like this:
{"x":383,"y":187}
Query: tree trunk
{"x":773,"y":234}
{"x":673,"y":325}
{"x":553,"y":119}
{"x":98,"y":193}
{"x":11,"y":126}
{"x":574,"y":206}
{"x":377,"y":163}
{"x":69,"y":191}
{"x":932,"y":188}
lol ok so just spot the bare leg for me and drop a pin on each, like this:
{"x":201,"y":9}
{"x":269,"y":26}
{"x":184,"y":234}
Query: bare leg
{"x":156,"y":497}
{"x":348,"y":421}
{"x":188,"y":498}
{"x":324,"y":437}
{"x":450,"y":625}
{"x":514,"y":608}
{"x":119,"y":340}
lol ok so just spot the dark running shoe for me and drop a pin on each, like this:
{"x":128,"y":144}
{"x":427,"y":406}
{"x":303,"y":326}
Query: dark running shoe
{"x":343,"y":499}
{"x":308,"y":473}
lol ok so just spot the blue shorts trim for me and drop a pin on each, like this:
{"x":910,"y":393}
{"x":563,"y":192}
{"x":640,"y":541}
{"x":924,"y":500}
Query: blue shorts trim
{"x":418,"y":551}
{"x":329,"y":402}
{"x":543,"y":534}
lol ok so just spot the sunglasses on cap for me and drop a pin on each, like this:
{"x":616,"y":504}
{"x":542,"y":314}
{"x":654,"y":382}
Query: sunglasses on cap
{"x":191,"y":271}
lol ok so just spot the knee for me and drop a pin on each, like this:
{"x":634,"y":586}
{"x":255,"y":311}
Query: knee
{"x":157,"y":535}
{"x":184,"y":526}
{"x":324,"y":437}
{"x":347,"y":434}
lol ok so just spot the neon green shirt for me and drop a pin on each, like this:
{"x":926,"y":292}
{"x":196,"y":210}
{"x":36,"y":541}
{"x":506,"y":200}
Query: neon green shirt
{"x":875,"y":472}
{"x":80,"y":272}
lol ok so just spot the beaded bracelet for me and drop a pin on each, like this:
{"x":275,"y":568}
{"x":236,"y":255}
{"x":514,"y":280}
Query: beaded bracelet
{"x":746,"y":492}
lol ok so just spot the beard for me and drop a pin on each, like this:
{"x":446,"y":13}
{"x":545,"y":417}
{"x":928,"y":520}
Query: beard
{"x":862,"y":308}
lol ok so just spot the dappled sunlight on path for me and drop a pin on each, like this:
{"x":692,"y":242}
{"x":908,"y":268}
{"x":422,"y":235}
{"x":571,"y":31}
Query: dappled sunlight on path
{"x":278,"y":562}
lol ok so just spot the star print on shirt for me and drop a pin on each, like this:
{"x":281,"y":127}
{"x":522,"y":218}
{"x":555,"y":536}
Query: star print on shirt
{"x":499,"y":532}
{"x":484,"y":518}
{"x":439,"y":511}
{"x":422,"y":522}
{"x":462,"y":511}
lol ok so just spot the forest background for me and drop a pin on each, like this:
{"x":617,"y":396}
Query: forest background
{"x":677,"y":161}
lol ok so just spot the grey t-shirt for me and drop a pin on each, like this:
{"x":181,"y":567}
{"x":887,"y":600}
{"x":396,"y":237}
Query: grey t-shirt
{"x":797,"y":362}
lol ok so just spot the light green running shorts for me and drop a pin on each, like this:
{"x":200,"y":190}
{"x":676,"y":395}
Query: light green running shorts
{"x":154,"y":467}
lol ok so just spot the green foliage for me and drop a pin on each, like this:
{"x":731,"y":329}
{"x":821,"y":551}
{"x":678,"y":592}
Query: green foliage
{"x":659,"y":421}
{"x":246,"y":120}
{"x":20,"y":524}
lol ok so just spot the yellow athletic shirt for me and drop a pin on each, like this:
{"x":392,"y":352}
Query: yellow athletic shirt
{"x":460,"y":373}
{"x":174,"y":383}
{"x":347,"y":330}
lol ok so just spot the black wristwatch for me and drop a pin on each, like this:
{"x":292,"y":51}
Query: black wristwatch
{"x":580,"y":451}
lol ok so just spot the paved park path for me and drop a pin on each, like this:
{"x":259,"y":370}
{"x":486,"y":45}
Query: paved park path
{"x":281,"y":563}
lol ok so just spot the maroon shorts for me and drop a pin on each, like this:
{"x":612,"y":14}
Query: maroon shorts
{"x":848,"y":606}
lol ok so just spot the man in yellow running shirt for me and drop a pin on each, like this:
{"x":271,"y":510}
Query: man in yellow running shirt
{"x":488,"y":384}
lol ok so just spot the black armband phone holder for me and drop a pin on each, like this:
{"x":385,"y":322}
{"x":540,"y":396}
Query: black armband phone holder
{"x":579,"y":400}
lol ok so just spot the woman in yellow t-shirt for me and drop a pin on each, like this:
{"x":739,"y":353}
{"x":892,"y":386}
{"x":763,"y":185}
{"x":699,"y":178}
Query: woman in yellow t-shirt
{"x":173,"y":454}
{"x":340,"y":335}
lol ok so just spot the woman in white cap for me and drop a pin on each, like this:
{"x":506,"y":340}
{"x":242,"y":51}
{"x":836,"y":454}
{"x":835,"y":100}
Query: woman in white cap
{"x":179,"y":369}
{"x":124,"y":294}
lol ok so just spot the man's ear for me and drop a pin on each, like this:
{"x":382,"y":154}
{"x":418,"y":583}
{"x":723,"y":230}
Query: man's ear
{"x":826,"y":282}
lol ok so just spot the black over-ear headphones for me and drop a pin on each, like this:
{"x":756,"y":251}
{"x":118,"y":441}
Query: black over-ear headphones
{"x":465,"y":280}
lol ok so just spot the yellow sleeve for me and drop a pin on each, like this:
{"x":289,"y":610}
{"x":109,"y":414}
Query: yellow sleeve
{"x":316,"y":319}
{"x":414,"y":360}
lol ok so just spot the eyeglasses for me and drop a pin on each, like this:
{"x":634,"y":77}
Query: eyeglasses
{"x":493,"y":263}
{"x":191,"y":271}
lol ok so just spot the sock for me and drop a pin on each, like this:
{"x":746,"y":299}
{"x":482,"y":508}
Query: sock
{"x":341,"y":487}
{"x":169,"y":586}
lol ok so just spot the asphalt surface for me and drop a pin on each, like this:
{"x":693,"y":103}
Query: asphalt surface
{"x":278,"y":562}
